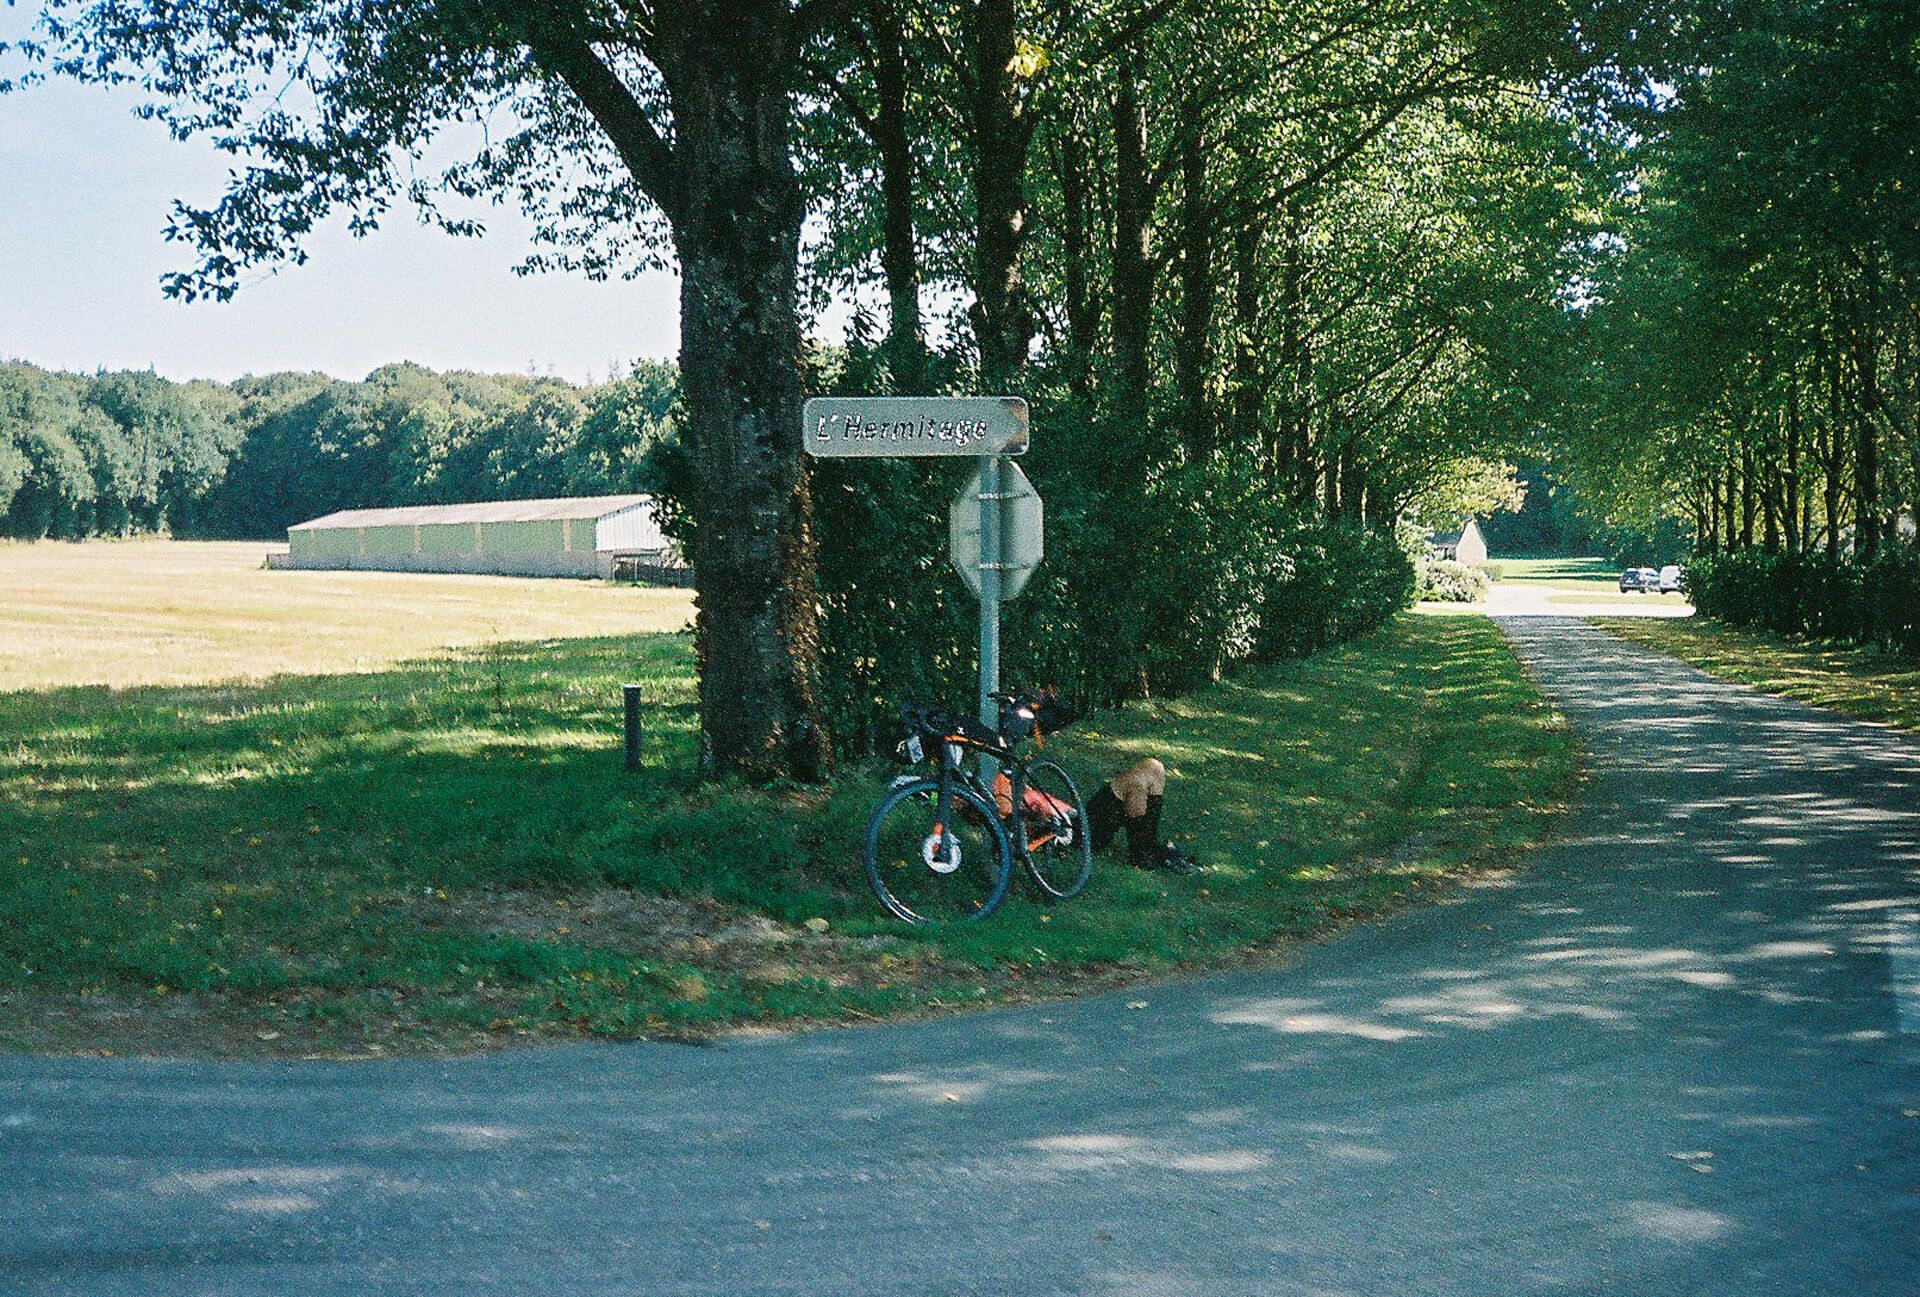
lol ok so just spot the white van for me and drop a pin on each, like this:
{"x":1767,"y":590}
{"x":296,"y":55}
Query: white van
{"x":1670,"y":578}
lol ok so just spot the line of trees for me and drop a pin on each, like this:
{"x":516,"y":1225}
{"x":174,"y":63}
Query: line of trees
{"x":1753,"y":354}
{"x":1274,"y":273}
{"x":124,"y":453}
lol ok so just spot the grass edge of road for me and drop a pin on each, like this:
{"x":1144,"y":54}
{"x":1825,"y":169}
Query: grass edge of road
{"x":1859,"y":682}
{"x":447,"y":856}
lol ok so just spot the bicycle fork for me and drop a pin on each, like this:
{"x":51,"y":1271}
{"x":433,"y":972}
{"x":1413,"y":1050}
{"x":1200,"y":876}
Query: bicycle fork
{"x":940,"y":850}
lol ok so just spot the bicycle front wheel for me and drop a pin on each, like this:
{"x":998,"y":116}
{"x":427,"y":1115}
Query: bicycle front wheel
{"x":926,"y":872}
{"x":1057,"y":847}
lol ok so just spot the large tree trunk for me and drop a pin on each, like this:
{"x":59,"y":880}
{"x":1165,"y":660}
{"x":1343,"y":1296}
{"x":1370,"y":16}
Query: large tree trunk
{"x":1832,"y":458}
{"x":1246,"y":329}
{"x":1353,"y":482}
{"x":1076,"y":252}
{"x":727,"y":186}
{"x":1733,"y":503}
{"x":906,"y":350}
{"x":1770,"y":510}
{"x":736,"y":229}
{"x":1132,"y":268}
{"x":1192,"y":361}
{"x":1746,"y":490}
{"x":1790,"y":481}
{"x":1001,"y":323}
{"x":1294,"y":430}
{"x":1866,"y":445}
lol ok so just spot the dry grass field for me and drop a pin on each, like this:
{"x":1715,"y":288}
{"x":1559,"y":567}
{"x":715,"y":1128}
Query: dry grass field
{"x":149,"y":612}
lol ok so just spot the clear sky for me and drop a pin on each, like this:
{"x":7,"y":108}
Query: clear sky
{"x":85,"y":188}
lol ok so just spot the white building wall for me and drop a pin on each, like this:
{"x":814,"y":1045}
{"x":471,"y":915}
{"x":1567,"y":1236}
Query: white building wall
{"x":635,"y":528}
{"x":577,"y":546}
{"x":530,"y":563}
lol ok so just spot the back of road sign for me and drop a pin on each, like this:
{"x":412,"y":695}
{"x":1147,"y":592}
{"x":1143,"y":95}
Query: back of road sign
{"x":1022,"y":527}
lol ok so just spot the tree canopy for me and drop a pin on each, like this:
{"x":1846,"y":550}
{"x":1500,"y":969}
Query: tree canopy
{"x":1273,"y":275}
{"x":1755,"y":320}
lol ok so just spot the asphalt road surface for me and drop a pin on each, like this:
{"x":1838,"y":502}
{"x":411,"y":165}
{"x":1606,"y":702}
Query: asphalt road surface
{"x":1677,"y":1055}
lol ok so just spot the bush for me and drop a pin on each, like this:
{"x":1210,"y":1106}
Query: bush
{"x":1160,"y":576}
{"x":1874,"y":601}
{"x":1444,"y":581}
{"x":1341,"y":580}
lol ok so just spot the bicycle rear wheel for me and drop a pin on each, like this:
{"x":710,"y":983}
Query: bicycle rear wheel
{"x":1058,"y":847}
{"x":956,"y":877}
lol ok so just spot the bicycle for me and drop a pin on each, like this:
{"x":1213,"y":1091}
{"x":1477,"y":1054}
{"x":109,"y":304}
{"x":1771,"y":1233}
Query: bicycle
{"x":941,"y":849}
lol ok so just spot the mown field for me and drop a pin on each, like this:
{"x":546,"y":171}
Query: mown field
{"x":445,"y":851}
{"x":159,"y":612}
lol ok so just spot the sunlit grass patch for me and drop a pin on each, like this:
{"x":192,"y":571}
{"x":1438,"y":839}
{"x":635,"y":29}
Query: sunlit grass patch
{"x":1861,"y":682}
{"x":1605,"y":595}
{"x":448,"y":851}
{"x":1570,"y":572}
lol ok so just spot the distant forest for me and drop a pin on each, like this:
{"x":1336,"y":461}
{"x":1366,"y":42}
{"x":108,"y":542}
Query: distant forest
{"x":127,"y":453}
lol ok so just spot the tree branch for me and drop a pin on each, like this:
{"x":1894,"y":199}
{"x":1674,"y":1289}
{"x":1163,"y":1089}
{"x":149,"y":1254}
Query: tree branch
{"x":601,"y":92}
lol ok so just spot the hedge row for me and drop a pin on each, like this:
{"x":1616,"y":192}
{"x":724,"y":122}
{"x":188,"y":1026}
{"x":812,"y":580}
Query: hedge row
{"x":1162,"y":573}
{"x":1154,"y":595}
{"x":1871,"y":601}
{"x":1444,"y":581}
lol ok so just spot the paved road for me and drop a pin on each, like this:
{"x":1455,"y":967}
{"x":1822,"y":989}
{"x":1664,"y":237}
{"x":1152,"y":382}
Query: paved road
{"x":1678,"y":1056}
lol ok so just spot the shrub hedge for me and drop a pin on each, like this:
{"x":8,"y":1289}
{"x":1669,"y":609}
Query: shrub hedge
{"x":1155,"y":581}
{"x":1444,"y":581}
{"x":1873,"y":601}
{"x":1153,"y":591}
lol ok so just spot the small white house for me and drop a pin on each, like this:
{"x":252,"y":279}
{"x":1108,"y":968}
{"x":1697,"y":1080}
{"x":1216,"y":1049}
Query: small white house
{"x":1463,"y":546}
{"x":580,"y":536}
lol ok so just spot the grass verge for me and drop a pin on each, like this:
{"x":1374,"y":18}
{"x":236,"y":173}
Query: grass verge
{"x":446,"y":853}
{"x":1860,"y":682}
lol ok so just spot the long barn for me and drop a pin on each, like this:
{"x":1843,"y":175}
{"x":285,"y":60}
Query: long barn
{"x":583,"y":536}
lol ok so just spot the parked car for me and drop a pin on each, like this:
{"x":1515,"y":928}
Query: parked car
{"x":1672,"y":578}
{"x":1639,"y":580}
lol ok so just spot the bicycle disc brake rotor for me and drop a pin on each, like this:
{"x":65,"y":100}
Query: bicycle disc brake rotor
{"x":940,"y":862}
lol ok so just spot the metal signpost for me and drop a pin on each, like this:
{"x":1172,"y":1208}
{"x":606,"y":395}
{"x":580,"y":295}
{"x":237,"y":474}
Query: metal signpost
{"x":995,"y":524}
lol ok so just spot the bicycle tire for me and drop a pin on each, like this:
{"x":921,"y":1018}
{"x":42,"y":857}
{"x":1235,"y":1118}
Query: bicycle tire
{"x":907,"y":885}
{"x":1060,"y":870}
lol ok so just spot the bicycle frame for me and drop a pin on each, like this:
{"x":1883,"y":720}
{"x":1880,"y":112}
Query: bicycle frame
{"x":953,"y":767}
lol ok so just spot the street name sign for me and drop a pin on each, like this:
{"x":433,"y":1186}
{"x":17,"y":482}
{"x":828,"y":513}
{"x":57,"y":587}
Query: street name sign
{"x":994,"y":530}
{"x":1022,"y":530}
{"x":876,"y":427}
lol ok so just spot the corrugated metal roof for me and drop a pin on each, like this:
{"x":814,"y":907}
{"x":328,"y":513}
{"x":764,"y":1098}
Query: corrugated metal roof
{"x":420,"y":515}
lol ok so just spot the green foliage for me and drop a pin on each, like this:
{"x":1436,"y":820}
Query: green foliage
{"x":118,"y":454}
{"x":1872,"y":601}
{"x":1274,"y":277}
{"x":1148,"y":588}
{"x":1444,"y":581}
{"x":1339,"y":581}
{"x":1750,"y":353}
